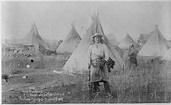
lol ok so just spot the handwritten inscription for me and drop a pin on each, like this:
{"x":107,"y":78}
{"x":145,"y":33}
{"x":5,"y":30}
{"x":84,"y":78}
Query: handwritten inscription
{"x":40,"y":96}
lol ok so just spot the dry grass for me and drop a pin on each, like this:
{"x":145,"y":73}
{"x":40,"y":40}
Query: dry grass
{"x":144,"y":84}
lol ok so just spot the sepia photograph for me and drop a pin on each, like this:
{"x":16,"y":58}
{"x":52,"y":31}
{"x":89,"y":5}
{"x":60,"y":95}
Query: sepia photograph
{"x":85,"y":52}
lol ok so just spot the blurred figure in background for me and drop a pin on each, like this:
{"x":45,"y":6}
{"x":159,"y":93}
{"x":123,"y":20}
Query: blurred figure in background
{"x":132,"y":54}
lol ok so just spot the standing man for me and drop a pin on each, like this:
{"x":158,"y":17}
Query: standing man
{"x":98,"y":56}
{"x":132,"y":54}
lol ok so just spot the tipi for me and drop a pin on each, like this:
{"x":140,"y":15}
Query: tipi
{"x":70,"y":43}
{"x":119,"y":50}
{"x":112,"y":39}
{"x":33,"y":38}
{"x":155,"y":46}
{"x":78,"y":61}
{"x":126,"y":42}
{"x":167,"y":55}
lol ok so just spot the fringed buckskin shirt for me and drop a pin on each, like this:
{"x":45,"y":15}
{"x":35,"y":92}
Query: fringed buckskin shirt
{"x":97,"y":51}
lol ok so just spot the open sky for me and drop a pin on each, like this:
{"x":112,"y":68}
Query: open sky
{"x":54,"y":18}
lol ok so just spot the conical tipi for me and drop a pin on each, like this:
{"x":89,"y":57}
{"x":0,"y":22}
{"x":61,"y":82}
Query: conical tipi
{"x":70,"y":43}
{"x":39,"y":38}
{"x":78,"y":61}
{"x":126,"y":42}
{"x":33,"y":38}
{"x":167,"y":55}
{"x":155,"y":46}
{"x":112,"y":39}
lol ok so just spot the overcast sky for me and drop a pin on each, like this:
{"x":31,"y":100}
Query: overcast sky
{"x":54,"y":19}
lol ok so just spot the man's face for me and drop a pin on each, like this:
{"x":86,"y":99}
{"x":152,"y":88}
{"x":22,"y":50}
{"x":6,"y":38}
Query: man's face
{"x":97,"y":39}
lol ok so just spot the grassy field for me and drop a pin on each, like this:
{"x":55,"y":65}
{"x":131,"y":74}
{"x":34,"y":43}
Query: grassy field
{"x":147,"y":83}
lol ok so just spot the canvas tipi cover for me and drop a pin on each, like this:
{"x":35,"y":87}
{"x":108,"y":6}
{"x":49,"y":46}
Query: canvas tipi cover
{"x":33,"y":38}
{"x":112,"y":39}
{"x":126,"y":42}
{"x":78,"y":61}
{"x":52,"y":44}
{"x":70,"y":43}
{"x":167,"y":55}
{"x":155,"y":46}
{"x":168,"y":43}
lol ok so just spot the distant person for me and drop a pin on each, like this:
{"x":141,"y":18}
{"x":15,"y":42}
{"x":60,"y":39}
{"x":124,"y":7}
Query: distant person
{"x":132,"y":54}
{"x":98,"y":56}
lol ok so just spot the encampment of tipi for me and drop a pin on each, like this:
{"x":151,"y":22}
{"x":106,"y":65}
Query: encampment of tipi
{"x":78,"y":61}
{"x":126,"y":42}
{"x":70,"y":42}
{"x":155,"y":46}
